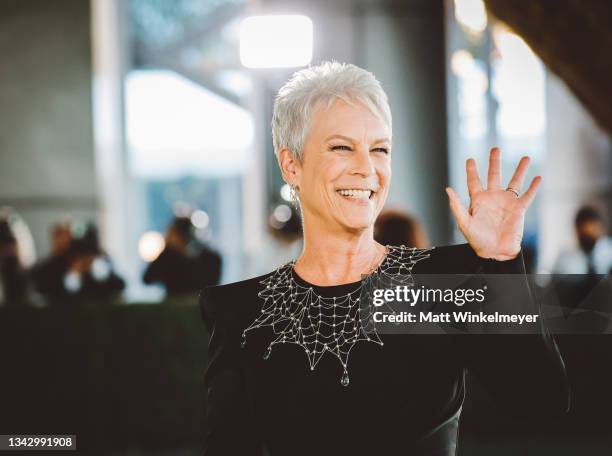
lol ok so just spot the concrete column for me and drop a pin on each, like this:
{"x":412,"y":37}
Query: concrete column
{"x":116,"y":194}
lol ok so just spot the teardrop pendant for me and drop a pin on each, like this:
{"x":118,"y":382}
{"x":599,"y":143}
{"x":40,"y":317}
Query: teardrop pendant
{"x":267,"y":353}
{"x":243,"y":341}
{"x":345,"y":379}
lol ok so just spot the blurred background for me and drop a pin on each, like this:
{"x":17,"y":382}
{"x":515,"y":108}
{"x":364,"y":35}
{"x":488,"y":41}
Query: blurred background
{"x":136,"y":167}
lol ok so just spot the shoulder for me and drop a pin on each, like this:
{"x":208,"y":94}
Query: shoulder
{"x":232,"y":301}
{"x":460,"y":259}
{"x":604,"y":244}
{"x":447,"y":259}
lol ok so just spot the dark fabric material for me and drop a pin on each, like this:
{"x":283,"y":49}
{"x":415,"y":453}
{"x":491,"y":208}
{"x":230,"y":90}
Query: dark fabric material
{"x":403,"y":398}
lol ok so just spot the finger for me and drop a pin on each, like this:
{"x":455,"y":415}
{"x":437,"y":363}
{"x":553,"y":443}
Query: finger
{"x":494,"y":174}
{"x":461,"y":214}
{"x":473,"y":179}
{"x":530,"y":194}
{"x":519,"y":174}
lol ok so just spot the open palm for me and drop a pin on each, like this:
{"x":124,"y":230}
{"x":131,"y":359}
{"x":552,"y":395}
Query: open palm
{"x":493,"y":224}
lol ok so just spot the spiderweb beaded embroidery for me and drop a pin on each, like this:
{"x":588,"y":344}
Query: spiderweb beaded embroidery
{"x":299,"y":315}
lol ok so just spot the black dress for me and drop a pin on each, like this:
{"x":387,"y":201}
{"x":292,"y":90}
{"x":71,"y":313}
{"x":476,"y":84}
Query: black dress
{"x":403,"y":398}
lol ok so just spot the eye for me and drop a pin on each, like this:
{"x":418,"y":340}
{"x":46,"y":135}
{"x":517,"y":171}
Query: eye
{"x":384,"y":150}
{"x":340,"y":147}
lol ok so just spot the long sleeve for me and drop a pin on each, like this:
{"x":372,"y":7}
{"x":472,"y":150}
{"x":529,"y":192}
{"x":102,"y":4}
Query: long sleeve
{"x":524,"y":373}
{"x":229,"y":425}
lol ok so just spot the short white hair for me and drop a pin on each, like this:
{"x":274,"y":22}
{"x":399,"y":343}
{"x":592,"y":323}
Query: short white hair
{"x":320,"y":85}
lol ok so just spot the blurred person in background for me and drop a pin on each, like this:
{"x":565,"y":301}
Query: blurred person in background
{"x":185,"y":265}
{"x":91,"y":274}
{"x":48,"y":273}
{"x":578,"y":274}
{"x":77,"y":269}
{"x":13,"y":275}
{"x":393,"y":227}
{"x":594,"y":252}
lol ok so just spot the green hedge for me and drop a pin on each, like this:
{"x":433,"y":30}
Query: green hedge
{"x":120,"y":376}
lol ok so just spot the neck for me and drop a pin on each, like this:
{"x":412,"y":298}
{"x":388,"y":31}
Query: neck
{"x":335,"y":257}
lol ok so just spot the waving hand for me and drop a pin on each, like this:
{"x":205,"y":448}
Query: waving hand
{"x":493,"y":224}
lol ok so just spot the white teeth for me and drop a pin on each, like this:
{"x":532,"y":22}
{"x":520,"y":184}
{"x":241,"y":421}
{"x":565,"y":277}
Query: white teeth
{"x":355,"y":193}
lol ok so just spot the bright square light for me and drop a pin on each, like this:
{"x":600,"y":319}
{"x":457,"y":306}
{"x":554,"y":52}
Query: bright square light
{"x":275,"y":41}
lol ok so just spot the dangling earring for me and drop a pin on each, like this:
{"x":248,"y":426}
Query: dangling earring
{"x":293,"y":194}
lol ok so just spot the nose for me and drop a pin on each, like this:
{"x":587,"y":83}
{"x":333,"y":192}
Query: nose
{"x":362,"y":163}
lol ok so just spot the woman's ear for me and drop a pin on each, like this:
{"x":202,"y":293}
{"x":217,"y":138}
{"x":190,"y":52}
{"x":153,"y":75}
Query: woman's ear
{"x":290,"y":167}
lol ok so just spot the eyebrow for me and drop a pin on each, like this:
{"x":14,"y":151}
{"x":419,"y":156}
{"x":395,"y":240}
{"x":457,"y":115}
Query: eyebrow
{"x":351,"y":140}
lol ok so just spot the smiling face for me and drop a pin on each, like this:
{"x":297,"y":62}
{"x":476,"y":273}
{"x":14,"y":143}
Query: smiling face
{"x":345,"y":172}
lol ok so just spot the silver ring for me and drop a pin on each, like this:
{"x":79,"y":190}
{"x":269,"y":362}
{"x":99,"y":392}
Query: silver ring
{"x":513,"y":190}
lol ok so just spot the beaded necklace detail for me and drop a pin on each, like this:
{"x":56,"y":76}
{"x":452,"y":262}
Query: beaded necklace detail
{"x":299,"y":315}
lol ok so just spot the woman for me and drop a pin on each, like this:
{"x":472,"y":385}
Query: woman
{"x":278,"y":381}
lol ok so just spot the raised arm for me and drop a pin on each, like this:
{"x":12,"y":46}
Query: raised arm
{"x":524,"y":373}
